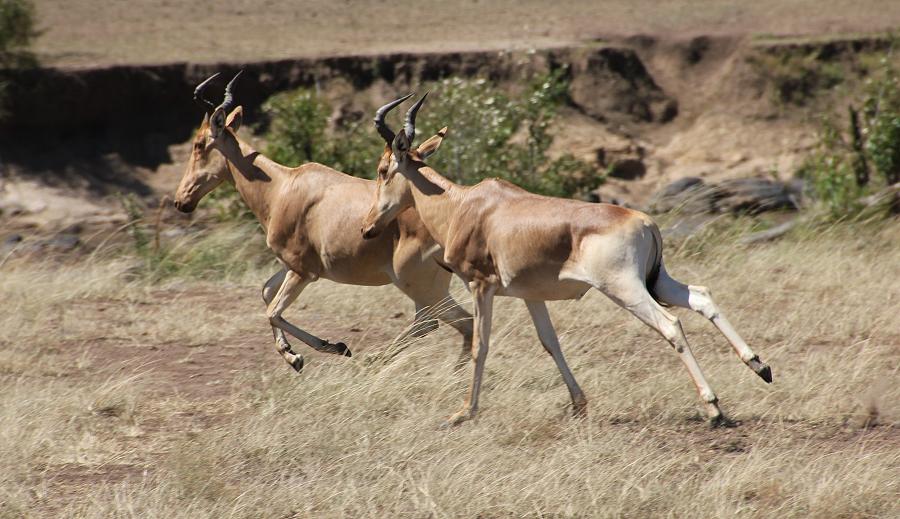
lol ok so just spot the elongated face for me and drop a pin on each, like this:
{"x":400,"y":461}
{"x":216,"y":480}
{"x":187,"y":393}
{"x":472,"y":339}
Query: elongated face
{"x":206,"y":169}
{"x":392,"y":195}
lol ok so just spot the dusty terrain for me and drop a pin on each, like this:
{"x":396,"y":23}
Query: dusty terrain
{"x":89,"y":33}
{"x":122,"y":396}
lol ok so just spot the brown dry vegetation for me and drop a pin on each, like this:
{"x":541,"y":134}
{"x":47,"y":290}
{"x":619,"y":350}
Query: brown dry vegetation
{"x":122,"y":397}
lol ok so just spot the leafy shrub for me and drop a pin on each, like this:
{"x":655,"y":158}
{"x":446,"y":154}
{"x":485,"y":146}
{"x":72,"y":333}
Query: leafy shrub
{"x":830,"y":171}
{"x":495,"y":135}
{"x":849,"y":164}
{"x":492,"y":135}
{"x":299,"y":133}
{"x":881,"y":110}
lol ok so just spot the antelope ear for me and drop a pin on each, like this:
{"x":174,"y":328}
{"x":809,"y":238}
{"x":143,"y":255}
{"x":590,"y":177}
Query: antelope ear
{"x":427,"y":148}
{"x":217,"y":123}
{"x":235,"y":118}
{"x":400,"y":146}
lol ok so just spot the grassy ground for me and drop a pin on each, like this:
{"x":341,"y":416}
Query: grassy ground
{"x":96,"y":32}
{"x":128,"y":396}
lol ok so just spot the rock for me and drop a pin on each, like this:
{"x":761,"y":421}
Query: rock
{"x":689,"y":195}
{"x":752,"y":195}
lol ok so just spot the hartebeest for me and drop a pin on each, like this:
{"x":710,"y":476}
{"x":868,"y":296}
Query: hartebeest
{"x":311,"y":217}
{"x":503,"y":240}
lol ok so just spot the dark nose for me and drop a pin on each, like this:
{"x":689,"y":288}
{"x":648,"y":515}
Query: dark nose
{"x":183,"y":207}
{"x":370,"y":233}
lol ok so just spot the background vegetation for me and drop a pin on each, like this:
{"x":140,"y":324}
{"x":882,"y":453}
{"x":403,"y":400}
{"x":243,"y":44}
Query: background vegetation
{"x":856,"y":166}
{"x":492,"y":134}
{"x":17,"y":30}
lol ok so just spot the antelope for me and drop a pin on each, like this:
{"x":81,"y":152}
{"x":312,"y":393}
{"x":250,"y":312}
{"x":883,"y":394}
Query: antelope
{"x":310,"y":215}
{"x":505,"y":241}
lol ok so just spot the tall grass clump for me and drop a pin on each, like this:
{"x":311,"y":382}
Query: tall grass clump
{"x":223,"y":252}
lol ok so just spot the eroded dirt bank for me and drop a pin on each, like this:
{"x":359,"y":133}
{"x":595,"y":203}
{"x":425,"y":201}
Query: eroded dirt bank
{"x":647,"y":110}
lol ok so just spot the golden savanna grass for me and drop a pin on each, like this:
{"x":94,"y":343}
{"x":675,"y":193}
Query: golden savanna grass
{"x":123,"y":395}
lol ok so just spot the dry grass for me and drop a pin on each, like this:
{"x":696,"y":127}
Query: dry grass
{"x":103,"y":415}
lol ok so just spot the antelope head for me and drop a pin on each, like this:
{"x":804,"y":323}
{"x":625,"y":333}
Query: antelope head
{"x":393,"y":192}
{"x":207,"y":169}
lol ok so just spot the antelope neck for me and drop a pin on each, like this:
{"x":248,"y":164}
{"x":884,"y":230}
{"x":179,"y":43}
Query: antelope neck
{"x":255,"y":176}
{"x":436,"y":199}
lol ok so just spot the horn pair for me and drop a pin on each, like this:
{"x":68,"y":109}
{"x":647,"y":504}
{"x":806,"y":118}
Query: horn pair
{"x":409,"y":126}
{"x":228,"y":100}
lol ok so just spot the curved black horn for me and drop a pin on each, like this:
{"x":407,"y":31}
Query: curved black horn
{"x":386,"y":133}
{"x":410,"y":126}
{"x":198,"y":92}
{"x":229,"y":96}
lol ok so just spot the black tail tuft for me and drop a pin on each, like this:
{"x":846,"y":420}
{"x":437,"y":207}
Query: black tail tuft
{"x":653,"y":274}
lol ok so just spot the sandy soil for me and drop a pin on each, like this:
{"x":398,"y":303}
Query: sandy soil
{"x":95,"y":32}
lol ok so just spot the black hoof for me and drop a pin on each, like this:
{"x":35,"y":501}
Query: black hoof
{"x":342,"y":349}
{"x":762,"y":369}
{"x":722,"y":422}
{"x":297,"y":364}
{"x":765,"y":373}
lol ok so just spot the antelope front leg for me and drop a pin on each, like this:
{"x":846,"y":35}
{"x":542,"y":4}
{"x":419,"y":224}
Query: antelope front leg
{"x":290,"y":288}
{"x":484,"y":304}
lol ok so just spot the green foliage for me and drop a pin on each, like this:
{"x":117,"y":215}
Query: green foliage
{"x":830,"y":171}
{"x":496,"y":135}
{"x":299,"y":133}
{"x":841,"y":169}
{"x":881,"y":111}
{"x":492,"y":135}
{"x":16,"y":32}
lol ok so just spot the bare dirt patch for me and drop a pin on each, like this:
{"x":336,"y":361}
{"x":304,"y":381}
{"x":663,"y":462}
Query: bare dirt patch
{"x":92,"y":32}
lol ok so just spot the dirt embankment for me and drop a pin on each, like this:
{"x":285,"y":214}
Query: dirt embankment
{"x":648,"y":110}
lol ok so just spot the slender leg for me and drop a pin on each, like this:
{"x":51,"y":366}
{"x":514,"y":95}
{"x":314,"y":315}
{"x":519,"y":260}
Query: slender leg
{"x":541,"y":319}
{"x":448,"y":311}
{"x":699,"y":299}
{"x":428,"y":285}
{"x":270,"y":288}
{"x":291,"y":287}
{"x":484,"y":304}
{"x":635,"y":298}
{"x":423,"y":323}
{"x":456,"y":316}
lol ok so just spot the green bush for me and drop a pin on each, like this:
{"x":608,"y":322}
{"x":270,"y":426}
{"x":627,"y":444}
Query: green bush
{"x":299,"y":133}
{"x":830,"y":170}
{"x":881,"y":112}
{"x":495,"y":135}
{"x":865,"y":157}
{"x":491,"y":135}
